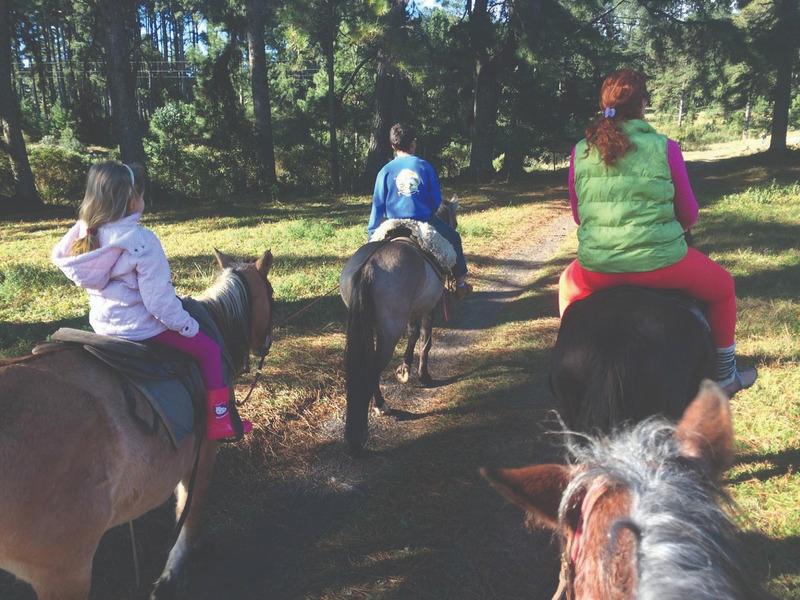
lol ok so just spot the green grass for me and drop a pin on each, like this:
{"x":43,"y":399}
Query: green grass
{"x":756,"y":234}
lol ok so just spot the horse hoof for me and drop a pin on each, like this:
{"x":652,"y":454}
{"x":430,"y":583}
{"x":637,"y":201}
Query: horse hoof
{"x":426,"y":380}
{"x":379,"y":411}
{"x":402,"y":373}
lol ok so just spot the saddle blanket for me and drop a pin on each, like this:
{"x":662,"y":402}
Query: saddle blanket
{"x":168,"y":380}
{"x":425,"y":235}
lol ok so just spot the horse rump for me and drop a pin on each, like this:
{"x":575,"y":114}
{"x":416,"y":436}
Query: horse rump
{"x":627,"y":353}
{"x":361,"y":378}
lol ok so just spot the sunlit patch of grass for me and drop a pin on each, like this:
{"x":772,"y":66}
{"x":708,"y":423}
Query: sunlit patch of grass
{"x":756,"y":234}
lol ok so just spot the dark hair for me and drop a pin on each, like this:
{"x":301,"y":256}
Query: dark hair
{"x":623,"y":91}
{"x":401,"y":136}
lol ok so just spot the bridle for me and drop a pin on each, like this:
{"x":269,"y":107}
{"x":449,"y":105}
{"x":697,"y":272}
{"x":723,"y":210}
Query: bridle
{"x":572,"y":548}
{"x":263,"y":350}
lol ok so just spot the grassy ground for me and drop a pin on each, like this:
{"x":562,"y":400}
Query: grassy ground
{"x":750,"y":221}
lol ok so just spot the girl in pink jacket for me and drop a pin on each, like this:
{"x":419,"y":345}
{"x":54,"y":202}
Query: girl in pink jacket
{"x":123,"y":268}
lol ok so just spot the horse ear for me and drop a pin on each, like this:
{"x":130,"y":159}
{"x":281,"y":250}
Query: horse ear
{"x":705,"y":430}
{"x":223,"y":260}
{"x":264,"y":263}
{"x":537,"y":489}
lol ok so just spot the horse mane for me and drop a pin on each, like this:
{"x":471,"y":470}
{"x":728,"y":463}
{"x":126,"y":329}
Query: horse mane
{"x":688,"y":544}
{"x":228,"y":301}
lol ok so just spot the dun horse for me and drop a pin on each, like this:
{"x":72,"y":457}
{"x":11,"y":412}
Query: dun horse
{"x":386,"y":290}
{"x":640,"y":514}
{"x":627,"y":353}
{"x":73,"y":463}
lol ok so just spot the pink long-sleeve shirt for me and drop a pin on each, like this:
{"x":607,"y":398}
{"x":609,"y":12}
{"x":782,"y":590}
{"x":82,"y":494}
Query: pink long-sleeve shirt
{"x":686,"y":208}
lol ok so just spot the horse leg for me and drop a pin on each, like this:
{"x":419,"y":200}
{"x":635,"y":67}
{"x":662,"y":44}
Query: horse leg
{"x":167,"y":584}
{"x":427,"y":342}
{"x":388,"y":336}
{"x":404,"y":370}
{"x":63,"y":583}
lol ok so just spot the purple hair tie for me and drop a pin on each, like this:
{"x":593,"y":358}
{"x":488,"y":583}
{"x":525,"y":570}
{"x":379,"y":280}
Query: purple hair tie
{"x":609,"y":112}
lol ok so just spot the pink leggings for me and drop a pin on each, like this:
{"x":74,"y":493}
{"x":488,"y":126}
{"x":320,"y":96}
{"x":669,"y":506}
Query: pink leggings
{"x":203,"y":349}
{"x":696,"y":275}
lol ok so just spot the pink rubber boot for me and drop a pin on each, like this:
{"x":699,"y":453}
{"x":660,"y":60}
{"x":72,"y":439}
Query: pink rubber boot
{"x":218,"y":416}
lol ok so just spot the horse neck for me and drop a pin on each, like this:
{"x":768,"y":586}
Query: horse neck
{"x":228,"y":303}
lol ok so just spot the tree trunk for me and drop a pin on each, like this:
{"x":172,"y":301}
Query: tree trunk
{"x":390,"y":98}
{"x":259,"y":85}
{"x":680,"y":108}
{"x":782,"y":94}
{"x":330,"y":49}
{"x":115,"y":14}
{"x":486,"y":95}
{"x":380,"y":150}
{"x":25,"y":195}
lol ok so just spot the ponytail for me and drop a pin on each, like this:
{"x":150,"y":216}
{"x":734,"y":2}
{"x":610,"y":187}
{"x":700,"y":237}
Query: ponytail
{"x":606,"y":135}
{"x":109,"y":187}
{"x":85,"y":244}
{"x":622,"y":98}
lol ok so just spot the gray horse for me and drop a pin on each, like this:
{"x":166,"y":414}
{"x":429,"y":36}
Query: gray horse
{"x":387,"y":286}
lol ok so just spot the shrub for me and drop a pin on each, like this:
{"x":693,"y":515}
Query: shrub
{"x":179,"y":164}
{"x":304,"y":166}
{"x":6,"y":176}
{"x":455,"y":158}
{"x":59,"y":173}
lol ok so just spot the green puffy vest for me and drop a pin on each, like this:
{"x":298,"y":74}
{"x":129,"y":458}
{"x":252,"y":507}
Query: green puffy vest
{"x":626,"y":210}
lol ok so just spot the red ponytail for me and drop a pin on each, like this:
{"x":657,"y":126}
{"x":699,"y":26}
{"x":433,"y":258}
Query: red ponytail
{"x":621,"y":99}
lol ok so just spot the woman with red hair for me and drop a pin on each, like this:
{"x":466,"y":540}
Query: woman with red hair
{"x":631,"y":197}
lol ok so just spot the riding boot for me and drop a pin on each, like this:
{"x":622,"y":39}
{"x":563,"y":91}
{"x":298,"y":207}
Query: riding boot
{"x":218,"y":416}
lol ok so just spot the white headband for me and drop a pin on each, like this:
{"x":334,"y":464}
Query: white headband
{"x":133,"y":179}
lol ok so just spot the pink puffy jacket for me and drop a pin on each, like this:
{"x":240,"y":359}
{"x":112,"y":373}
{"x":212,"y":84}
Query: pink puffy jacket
{"x":128,"y":280}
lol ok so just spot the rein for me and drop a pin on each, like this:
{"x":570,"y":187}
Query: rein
{"x":264,"y":350}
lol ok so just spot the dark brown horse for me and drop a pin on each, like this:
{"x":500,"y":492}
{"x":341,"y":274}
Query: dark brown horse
{"x":73,"y":463}
{"x":386,"y":290}
{"x":640,"y":514}
{"x":627,"y":353}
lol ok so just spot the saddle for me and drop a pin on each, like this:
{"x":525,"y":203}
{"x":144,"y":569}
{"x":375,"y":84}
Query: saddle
{"x":436,"y":250}
{"x":168,"y":380}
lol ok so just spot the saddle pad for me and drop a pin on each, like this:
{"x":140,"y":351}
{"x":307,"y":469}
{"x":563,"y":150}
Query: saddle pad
{"x":169,"y":382}
{"x":425,"y":235}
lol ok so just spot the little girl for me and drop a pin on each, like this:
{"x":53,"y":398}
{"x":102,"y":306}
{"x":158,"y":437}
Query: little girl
{"x":125,"y":271}
{"x":631,"y":197}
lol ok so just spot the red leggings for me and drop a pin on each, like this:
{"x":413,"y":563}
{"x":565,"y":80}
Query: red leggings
{"x":203,"y":349}
{"x":696,"y":275}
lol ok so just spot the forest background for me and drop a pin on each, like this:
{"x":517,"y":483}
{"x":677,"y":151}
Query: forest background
{"x":223,"y":98}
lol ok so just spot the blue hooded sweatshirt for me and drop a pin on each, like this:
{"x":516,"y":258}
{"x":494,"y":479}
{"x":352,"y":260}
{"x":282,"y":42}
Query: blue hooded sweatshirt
{"x":406,"y":188}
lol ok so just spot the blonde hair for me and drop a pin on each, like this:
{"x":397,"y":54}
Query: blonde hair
{"x":110,"y":186}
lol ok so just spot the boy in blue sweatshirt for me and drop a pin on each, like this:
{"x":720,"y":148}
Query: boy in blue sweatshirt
{"x":407,"y":188}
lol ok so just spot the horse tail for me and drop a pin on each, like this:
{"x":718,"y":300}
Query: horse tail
{"x":359,"y":358}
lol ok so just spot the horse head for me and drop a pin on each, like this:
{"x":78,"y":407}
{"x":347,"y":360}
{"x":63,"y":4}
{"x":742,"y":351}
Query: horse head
{"x":447,"y":211}
{"x":640,"y":514}
{"x":259,"y":297}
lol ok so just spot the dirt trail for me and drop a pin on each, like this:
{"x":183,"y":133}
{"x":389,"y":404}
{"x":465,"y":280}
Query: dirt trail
{"x":411,"y":519}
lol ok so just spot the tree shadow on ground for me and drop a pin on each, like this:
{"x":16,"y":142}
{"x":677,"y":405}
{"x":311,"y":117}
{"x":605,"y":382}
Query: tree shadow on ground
{"x":18,"y":339}
{"x":786,"y":461}
{"x":713,"y":179}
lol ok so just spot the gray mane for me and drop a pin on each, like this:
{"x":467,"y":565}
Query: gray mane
{"x":228,"y":301}
{"x":687,"y":542}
